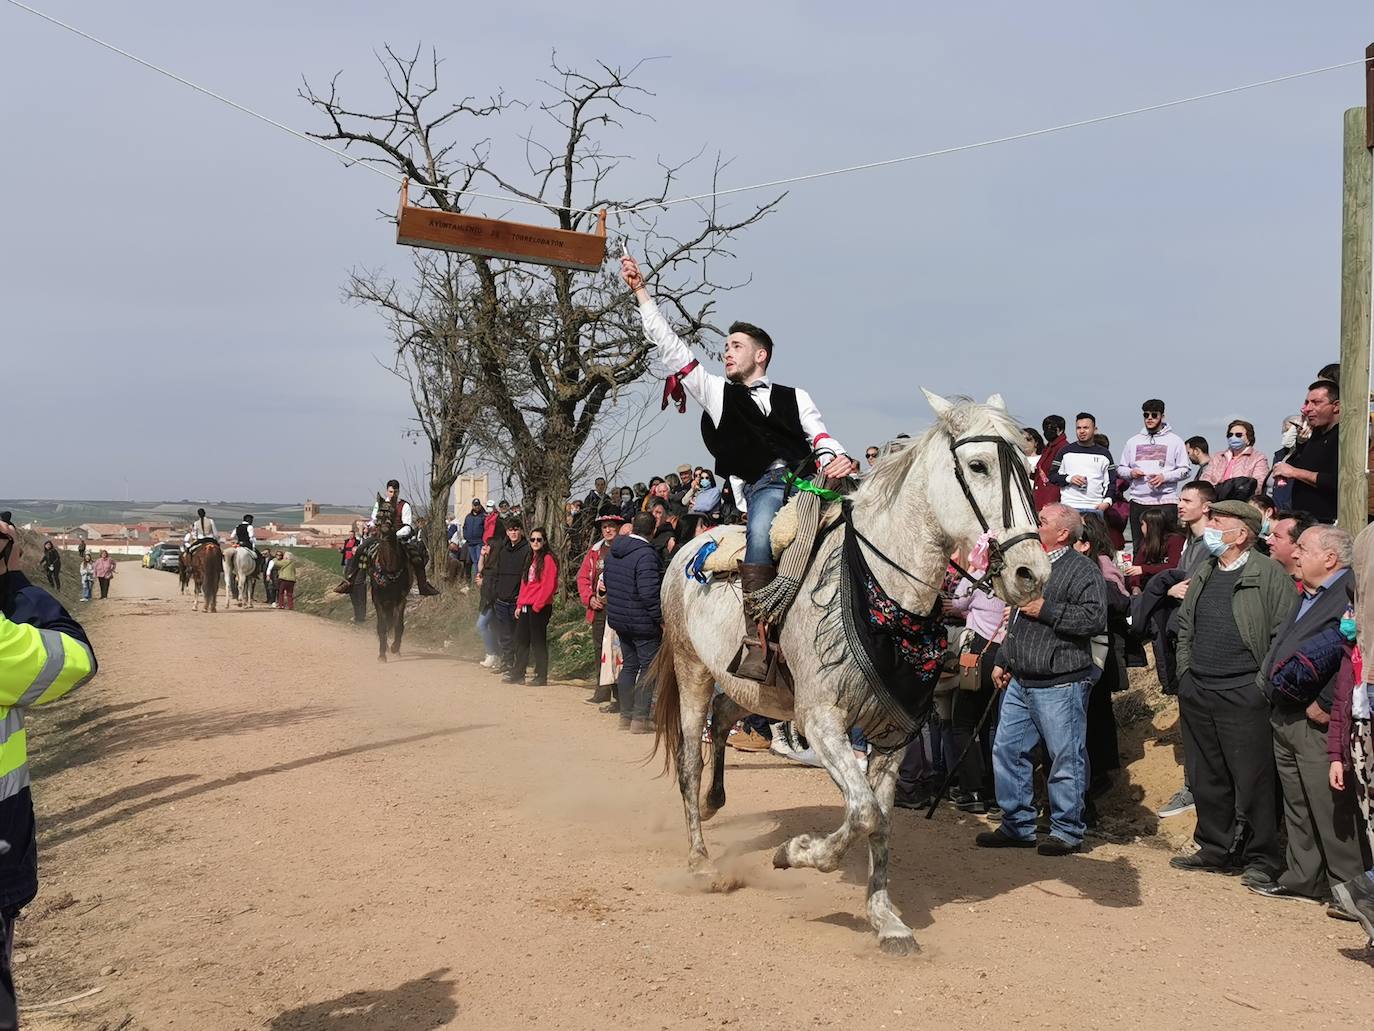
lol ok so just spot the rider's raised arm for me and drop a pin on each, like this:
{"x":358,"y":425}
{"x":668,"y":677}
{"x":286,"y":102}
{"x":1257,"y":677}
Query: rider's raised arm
{"x":814,"y":427}
{"x":672,"y":355}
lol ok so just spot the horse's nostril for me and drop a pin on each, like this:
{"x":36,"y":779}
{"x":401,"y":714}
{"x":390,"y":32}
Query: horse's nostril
{"x":1024,"y":574}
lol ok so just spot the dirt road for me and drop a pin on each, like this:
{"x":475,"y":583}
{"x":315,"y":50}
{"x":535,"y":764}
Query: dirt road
{"x":260,"y":827}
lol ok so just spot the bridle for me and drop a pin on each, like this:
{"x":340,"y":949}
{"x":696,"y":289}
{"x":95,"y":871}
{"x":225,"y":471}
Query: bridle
{"x":1013,"y":478}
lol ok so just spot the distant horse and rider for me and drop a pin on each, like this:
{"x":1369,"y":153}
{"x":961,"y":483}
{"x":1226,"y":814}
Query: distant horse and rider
{"x":393,"y":555}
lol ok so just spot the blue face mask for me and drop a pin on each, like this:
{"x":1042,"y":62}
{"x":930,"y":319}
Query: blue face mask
{"x":1264,"y":527}
{"x":1235,"y":443}
{"x":1348,"y":627}
{"x":1214,"y":541}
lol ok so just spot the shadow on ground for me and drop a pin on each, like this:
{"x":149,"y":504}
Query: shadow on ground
{"x":63,"y":823}
{"x":84,"y":734}
{"x":936,"y":863}
{"x":426,"y":1001}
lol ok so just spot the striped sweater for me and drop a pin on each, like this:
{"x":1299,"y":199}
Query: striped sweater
{"x":1056,"y":646}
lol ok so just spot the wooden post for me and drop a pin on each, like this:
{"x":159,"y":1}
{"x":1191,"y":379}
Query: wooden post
{"x":1356,"y":247}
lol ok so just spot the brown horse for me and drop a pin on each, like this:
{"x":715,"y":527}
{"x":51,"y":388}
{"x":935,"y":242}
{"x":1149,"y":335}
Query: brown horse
{"x":390,"y":579}
{"x":207,"y":563}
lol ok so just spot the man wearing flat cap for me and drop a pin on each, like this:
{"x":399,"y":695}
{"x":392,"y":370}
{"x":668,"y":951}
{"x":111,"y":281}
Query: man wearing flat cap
{"x":1237,"y":602}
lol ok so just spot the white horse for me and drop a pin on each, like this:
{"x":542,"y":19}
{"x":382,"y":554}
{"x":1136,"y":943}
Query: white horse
{"x":909,"y":514}
{"x":240,"y":568}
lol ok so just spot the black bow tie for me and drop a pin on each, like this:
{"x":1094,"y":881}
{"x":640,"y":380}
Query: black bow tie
{"x":758,"y":386}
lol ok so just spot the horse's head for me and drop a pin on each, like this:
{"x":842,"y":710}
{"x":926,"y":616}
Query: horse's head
{"x":386,"y":517}
{"x":966,"y":478}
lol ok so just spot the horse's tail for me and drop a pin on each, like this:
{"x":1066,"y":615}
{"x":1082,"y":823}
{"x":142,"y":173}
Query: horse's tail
{"x":667,"y":707}
{"x":212,"y":565}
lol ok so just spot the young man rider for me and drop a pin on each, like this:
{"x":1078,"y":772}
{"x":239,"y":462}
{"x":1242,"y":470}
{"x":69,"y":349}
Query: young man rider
{"x":754,"y":429}
{"x":405,"y":533}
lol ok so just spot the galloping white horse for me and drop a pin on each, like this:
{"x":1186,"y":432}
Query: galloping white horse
{"x":961,"y":481}
{"x":240,"y":565}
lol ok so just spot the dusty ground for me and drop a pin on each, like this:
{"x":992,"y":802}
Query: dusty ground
{"x":248,"y":823}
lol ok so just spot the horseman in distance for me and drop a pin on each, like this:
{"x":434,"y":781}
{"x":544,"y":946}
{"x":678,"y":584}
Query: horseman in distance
{"x":405,"y":533}
{"x":756,"y":430}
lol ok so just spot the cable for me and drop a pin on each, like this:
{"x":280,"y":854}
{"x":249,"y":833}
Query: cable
{"x":347,"y":158}
{"x":1001,"y":139}
{"x":351,"y":161}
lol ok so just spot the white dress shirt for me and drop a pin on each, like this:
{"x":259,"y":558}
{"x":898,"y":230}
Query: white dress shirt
{"x":671,"y":355}
{"x":407,"y":525}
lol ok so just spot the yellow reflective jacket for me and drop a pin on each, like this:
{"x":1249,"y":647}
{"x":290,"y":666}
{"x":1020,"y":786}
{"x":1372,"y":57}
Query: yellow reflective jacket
{"x":36,"y":667}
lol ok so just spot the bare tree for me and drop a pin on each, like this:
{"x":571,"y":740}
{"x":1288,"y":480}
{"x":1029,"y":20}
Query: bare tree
{"x":550,"y":347}
{"x":438,"y":363}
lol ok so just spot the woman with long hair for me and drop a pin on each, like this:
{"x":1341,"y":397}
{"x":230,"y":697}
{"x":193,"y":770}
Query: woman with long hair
{"x":533,"y":607}
{"x":51,"y":561}
{"x":1032,"y":444}
{"x":1160,"y":547}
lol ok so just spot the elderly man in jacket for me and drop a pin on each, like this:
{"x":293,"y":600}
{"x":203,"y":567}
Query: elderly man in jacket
{"x":1301,"y":670}
{"x":1045,"y":667}
{"x":634,"y":579}
{"x":44,"y":654}
{"x":1237,"y":602}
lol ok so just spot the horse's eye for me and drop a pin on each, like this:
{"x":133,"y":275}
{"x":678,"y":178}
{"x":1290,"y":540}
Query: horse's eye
{"x":979,"y":466}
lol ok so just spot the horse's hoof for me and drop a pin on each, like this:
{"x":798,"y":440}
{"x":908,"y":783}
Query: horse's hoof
{"x":899,"y":945}
{"x":780,"y":860}
{"x":381,"y":657}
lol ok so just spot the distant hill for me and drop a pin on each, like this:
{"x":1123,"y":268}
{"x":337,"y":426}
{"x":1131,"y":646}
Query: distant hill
{"x":49,"y":512}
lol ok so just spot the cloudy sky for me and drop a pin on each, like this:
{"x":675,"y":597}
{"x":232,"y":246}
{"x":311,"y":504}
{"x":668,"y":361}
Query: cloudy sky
{"x":171,"y":270}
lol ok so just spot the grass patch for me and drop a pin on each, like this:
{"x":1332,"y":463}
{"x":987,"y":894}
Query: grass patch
{"x":449,"y":623}
{"x":326,"y":558}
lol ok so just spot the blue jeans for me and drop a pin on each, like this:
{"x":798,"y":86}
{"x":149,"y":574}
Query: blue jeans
{"x":485,"y":627}
{"x":474,"y":553}
{"x":1058,"y":716}
{"x":636,"y":697}
{"x":764,"y":498}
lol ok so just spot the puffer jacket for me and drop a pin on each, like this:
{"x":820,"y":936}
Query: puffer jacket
{"x":634,"y":579}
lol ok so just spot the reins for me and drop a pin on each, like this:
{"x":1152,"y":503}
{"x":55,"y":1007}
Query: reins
{"x":1013,"y":476}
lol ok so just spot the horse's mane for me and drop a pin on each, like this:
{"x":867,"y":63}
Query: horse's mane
{"x":883,"y":484}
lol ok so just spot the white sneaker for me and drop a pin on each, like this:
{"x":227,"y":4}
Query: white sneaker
{"x":488,"y":662}
{"x":806,"y":756}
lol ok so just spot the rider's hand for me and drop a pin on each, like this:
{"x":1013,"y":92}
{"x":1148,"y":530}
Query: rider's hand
{"x":629,"y":271}
{"x":841,"y":466}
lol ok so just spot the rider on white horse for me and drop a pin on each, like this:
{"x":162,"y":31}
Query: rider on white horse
{"x":755,"y":429}
{"x":405,"y":533}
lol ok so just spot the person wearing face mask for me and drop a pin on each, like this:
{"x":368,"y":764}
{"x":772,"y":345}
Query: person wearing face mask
{"x":1301,"y":671}
{"x":1240,"y":457}
{"x":1236,"y":603}
{"x":1280,"y":487}
{"x":1313,"y":465}
{"x":628,"y":508}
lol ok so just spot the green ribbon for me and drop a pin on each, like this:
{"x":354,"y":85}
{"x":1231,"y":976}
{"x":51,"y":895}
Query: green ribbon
{"x":798,"y":483}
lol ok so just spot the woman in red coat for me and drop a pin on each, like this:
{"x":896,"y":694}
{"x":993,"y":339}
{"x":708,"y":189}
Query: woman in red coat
{"x":1160,"y":548}
{"x":533,"y":607}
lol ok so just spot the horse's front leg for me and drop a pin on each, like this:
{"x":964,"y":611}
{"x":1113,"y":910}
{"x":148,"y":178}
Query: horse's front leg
{"x":400,"y":625}
{"x":724,"y":712}
{"x":894,"y":937}
{"x":827,"y":733}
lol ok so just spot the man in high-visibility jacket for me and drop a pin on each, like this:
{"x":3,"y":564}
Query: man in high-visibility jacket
{"x":44,"y":654}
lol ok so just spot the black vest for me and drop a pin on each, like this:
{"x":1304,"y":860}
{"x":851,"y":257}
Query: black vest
{"x":241,"y":535}
{"x":747,"y":442}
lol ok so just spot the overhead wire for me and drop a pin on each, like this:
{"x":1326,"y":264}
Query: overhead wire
{"x":350,"y":160}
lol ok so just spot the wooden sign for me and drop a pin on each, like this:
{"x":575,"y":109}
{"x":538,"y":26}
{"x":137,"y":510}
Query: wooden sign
{"x":493,"y":238}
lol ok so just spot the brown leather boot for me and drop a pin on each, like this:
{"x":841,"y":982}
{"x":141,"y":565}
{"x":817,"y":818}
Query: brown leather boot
{"x":752,"y":661}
